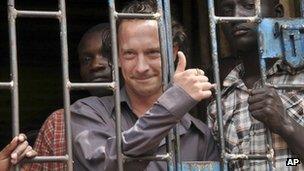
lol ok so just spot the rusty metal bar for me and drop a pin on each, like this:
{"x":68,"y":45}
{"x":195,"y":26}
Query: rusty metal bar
{"x":214,"y":50}
{"x":165,"y":75}
{"x":14,"y":67}
{"x":112,"y":12}
{"x":171,"y":70}
{"x":38,"y":14}
{"x":137,"y":16}
{"x":65,"y":81}
{"x":82,"y":86}
{"x":163,"y":157}
{"x":248,"y":157}
{"x":302,"y":8}
{"x":41,"y":159}
{"x":6,"y":85}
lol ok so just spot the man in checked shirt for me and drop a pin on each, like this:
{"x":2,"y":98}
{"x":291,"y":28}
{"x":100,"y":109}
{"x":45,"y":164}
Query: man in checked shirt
{"x":250,"y":109}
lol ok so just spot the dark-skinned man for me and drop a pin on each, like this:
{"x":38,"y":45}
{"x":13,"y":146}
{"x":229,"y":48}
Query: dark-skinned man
{"x":250,"y":109}
{"x":94,"y":57}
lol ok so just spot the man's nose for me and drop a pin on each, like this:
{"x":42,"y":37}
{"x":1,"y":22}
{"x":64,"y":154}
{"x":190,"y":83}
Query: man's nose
{"x":142,"y":64}
{"x":99,"y":63}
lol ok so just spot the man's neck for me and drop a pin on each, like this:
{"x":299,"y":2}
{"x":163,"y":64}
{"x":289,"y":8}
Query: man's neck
{"x":252,"y":67}
{"x":141,"y":104}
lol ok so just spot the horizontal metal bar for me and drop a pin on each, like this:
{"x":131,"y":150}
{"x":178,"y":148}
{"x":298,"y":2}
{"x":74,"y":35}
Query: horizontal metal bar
{"x":6,"y":85}
{"x":40,"y":159}
{"x":154,"y":16}
{"x":38,"y":14}
{"x":286,"y":86}
{"x":247,"y":157}
{"x":236,"y":19}
{"x":161,"y":157}
{"x":83,"y":86}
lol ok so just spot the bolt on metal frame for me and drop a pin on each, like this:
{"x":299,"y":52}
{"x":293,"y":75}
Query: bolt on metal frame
{"x":13,"y":14}
{"x":163,"y":17}
{"x":213,"y":21}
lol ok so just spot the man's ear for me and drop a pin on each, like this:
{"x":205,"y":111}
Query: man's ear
{"x":279,"y":10}
{"x":175,"y":50}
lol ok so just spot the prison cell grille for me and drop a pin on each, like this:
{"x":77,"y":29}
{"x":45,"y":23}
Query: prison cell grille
{"x":13,"y":14}
{"x":164,"y":24}
{"x":167,"y":68}
{"x":213,"y":21}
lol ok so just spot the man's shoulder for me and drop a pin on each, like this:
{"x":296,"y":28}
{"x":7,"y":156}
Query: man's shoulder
{"x":92,"y":106}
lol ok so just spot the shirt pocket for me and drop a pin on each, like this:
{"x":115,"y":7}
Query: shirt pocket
{"x":293,"y":102}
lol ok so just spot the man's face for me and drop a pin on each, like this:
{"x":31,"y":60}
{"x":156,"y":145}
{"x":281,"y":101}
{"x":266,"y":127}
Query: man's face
{"x":139,"y":57}
{"x":93,"y":66}
{"x":243,"y":35}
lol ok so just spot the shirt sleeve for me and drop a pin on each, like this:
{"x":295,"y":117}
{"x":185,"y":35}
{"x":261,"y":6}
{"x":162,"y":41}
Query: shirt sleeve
{"x":95,"y":145}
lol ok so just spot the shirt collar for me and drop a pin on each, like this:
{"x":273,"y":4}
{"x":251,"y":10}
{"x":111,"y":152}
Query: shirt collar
{"x":234,"y":78}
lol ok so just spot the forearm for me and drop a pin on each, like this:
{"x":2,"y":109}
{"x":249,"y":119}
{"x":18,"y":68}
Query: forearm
{"x":293,"y":134}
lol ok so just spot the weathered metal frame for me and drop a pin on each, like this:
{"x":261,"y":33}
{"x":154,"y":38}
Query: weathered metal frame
{"x":164,"y":23}
{"x":60,"y":15}
{"x":213,"y":21}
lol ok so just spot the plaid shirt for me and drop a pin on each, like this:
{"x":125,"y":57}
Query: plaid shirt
{"x":51,"y":142}
{"x":243,"y":133}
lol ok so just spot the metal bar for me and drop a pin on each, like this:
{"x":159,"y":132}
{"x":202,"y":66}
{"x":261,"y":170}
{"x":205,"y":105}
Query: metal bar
{"x":235,"y":19}
{"x":117,"y":89}
{"x":41,"y":159}
{"x":165,"y":74}
{"x":6,"y":85}
{"x":287,"y":86}
{"x":263,"y":79}
{"x":65,"y":80}
{"x":38,"y":14}
{"x":164,"y":157}
{"x":82,"y":86}
{"x":302,"y":8}
{"x":247,"y":157}
{"x":154,"y":16}
{"x":212,"y":25}
{"x":170,"y":57}
{"x":14,"y":67}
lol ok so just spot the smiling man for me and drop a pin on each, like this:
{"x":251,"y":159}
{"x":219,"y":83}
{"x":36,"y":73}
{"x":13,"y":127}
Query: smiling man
{"x":249,"y":108}
{"x":147,"y":113}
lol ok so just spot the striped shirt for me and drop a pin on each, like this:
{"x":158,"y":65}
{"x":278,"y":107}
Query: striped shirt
{"x":243,"y":133}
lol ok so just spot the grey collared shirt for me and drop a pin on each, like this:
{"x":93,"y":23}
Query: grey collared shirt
{"x":93,"y":132}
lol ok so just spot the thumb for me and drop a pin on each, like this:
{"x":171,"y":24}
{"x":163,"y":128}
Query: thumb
{"x":181,"y":66}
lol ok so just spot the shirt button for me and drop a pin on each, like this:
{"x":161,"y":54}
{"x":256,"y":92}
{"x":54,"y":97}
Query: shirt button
{"x":251,"y":133}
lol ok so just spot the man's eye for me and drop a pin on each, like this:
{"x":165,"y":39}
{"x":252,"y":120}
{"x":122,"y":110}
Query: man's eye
{"x":129,"y":55}
{"x":86,"y":59}
{"x":227,"y":11}
{"x":155,"y":54}
{"x":249,"y":6}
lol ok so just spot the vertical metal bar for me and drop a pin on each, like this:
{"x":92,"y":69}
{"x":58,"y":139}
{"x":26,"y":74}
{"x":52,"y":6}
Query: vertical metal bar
{"x":170,"y":57}
{"x":213,"y":36}
{"x":165,"y":74}
{"x":116,"y":80}
{"x":302,"y":8}
{"x":263,"y":76}
{"x":14,"y":66}
{"x":65,"y":80}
